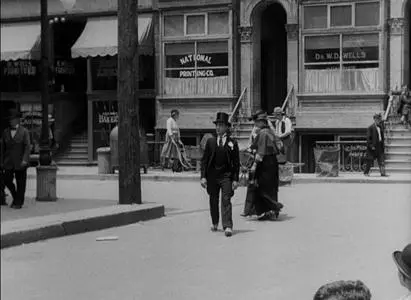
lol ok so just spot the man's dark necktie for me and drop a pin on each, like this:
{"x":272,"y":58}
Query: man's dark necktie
{"x":220,"y":141}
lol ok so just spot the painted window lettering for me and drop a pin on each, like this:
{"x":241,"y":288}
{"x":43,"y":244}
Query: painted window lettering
{"x":198,"y":73}
{"x":199,"y":57}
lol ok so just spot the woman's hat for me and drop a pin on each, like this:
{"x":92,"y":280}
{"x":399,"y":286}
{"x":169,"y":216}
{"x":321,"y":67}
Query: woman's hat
{"x":260,"y":115}
{"x":174,"y":112}
{"x":14,"y":114}
{"x":403,"y":261}
{"x":256,"y":114}
{"x":222,"y":117}
{"x":278,"y":111}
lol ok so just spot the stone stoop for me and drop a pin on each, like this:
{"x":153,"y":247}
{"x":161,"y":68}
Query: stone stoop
{"x":76,"y":153}
{"x":398,"y":150}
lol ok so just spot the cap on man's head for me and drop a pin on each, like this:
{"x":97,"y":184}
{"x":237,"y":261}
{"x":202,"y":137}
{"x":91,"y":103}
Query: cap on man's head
{"x":278,"y":110}
{"x":377,"y":116}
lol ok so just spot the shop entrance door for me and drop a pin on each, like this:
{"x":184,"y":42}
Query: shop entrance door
{"x":273,"y":57}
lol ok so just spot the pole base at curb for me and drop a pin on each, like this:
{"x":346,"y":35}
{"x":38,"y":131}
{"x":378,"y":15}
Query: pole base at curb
{"x":46,"y":184}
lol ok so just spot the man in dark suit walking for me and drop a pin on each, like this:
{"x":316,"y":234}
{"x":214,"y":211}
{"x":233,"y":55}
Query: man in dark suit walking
{"x":16,"y":154}
{"x":375,"y":145}
{"x":220,"y":167}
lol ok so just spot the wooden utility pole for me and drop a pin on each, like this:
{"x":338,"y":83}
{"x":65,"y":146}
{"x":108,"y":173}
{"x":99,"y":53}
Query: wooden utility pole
{"x":128,"y":106}
{"x":45,"y":157}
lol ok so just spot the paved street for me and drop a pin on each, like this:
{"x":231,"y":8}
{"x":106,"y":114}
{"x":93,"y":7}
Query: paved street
{"x":327,"y":232}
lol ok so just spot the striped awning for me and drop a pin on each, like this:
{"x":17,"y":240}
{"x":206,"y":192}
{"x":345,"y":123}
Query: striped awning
{"x":20,"y":41}
{"x":100,"y":37}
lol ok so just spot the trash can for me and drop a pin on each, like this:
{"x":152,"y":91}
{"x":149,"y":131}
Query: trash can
{"x":114,"y":148}
{"x":103,"y":160}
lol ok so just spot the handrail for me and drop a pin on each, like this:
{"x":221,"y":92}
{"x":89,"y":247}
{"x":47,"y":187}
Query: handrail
{"x":287,"y":98}
{"x":389,"y":106}
{"x":237,"y":105}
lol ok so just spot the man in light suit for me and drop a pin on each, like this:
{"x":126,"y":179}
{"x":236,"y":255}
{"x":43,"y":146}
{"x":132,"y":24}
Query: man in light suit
{"x":375,"y":145}
{"x":15,"y":146}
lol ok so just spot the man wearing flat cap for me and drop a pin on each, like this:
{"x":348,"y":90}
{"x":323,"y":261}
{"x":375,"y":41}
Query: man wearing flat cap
{"x":403,"y":261}
{"x":220,"y":168}
{"x":15,"y":147}
{"x":375,"y":145}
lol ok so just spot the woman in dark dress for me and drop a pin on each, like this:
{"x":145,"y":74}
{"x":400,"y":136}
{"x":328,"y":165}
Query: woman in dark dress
{"x":264,"y":172}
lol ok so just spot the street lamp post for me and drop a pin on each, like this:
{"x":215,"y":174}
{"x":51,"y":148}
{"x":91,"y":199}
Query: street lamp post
{"x":46,"y":172}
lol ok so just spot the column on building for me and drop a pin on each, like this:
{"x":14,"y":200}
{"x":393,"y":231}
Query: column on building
{"x":396,"y":42}
{"x":292,"y":63}
{"x":246,"y":65}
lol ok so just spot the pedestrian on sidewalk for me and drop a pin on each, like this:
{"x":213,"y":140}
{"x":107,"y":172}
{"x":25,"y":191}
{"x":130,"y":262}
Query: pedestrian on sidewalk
{"x":15,"y":146}
{"x":343,"y":290}
{"x":403,"y":261}
{"x":169,"y":153}
{"x":264,"y":174}
{"x":404,"y":108}
{"x":375,"y":145}
{"x":220,"y":167}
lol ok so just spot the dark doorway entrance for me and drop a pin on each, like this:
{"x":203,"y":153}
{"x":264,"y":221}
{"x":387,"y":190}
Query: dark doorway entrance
{"x":408,"y":45}
{"x":273,"y":57}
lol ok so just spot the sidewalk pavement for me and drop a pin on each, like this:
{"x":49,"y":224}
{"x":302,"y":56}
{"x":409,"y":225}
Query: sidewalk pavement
{"x":91,"y":173}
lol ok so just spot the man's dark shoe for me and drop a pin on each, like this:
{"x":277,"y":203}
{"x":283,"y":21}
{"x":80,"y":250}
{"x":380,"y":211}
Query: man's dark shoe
{"x":16,"y":206}
{"x":228,"y":232}
{"x":214,"y":228}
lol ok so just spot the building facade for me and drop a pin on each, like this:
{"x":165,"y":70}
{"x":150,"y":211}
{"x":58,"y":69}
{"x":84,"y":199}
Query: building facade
{"x":336,"y":61}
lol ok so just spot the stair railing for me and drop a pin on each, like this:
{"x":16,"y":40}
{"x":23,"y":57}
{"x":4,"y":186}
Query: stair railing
{"x":288,"y":104}
{"x":391,"y":116}
{"x":239,"y":112}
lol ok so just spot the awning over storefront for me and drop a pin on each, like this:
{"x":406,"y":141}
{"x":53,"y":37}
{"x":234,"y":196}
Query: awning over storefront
{"x":20,"y":41}
{"x":99,"y":38}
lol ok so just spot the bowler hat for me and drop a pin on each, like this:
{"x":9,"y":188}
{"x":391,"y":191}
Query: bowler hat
{"x":14,"y":114}
{"x":222,"y":117}
{"x":403,"y":261}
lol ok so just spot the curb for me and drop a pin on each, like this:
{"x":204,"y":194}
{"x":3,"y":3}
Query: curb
{"x":195,"y":178}
{"x":18,"y":232}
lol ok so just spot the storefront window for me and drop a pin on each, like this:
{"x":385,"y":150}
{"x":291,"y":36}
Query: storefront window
{"x":330,"y":68}
{"x":195,"y":24}
{"x":104,"y":72}
{"x":213,"y":23}
{"x":218,"y":23}
{"x":197,"y":68}
{"x":342,"y":15}
{"x":367,"y":14}
{"x":174,"y":25}
{"x":20,"y":76}
{"x":315,"y":17}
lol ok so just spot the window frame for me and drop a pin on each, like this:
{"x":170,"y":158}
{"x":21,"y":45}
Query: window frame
{"x":353,"y":14}
{"x":196,"y":67}
{"x":224,"y":37}
{"x":194,"y":15}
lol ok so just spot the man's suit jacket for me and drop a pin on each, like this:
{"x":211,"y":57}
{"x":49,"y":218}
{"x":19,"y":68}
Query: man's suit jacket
{"x":15,"y":149}
{"x":232,"y":152}
{"x":372,"y":136}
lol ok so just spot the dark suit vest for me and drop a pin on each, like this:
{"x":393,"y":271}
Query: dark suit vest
{"x":220,"y":159}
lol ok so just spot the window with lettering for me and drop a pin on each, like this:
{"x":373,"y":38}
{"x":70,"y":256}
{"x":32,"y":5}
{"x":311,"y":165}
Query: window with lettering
{"x":20,"y":76}
{"x":342,"y":63}
{"x":196,"y":68}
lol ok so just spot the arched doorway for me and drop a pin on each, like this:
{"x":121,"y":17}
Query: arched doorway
{"x":407,"y":44}
{"x":273,"y":51}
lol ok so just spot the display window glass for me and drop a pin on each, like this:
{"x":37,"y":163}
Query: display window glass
{"x":342,"y":63}
{"x":197,"y":68}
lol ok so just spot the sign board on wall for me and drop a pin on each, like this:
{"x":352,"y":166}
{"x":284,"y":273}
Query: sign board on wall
{"x":348,"y":55}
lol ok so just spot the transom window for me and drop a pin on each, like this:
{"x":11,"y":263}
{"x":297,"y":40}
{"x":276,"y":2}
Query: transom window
{"x":342,"y":15}
{"x":201,"y":24}
{"x":341,"y":63}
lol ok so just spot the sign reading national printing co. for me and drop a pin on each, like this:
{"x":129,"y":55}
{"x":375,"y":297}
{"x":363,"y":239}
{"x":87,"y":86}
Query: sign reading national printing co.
{"x":199,"y":58}
{"x":348,"y":54}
